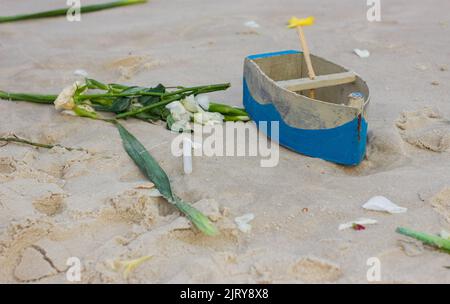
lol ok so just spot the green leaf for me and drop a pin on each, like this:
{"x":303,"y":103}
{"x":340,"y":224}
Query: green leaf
{"x":103,"y":101}
{"x":94,"y":84}
{"x":155,"y":114}
{"x":64,"y":11}
{"x":170,"y":121}
{"x":151,"y":169}
{"x":199,"y":219}
{"x":117,"y":87}
{"x":120,"y":104}
{"x":226,"y":109}
{"x":147,"y":100}
{"x":80,"y":111}
{"x":146,"y":163}
{"x":148,"y":117}
{"x":132,"y":90}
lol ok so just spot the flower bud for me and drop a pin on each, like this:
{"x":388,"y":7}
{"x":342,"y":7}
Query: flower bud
{"x":65,"y":100}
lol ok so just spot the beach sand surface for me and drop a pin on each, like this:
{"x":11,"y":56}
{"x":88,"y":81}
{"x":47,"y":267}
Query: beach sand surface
{"x":92,"y":204}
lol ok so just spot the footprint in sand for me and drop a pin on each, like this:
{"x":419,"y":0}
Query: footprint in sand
{"x":7,"y":165}
{"x":314,"y":270}
{"x":441,"y":203}
{"x":130,"y":66}
{"x":289,"y":268}
{"x":50,"y":204}
{"x":425,"y":129}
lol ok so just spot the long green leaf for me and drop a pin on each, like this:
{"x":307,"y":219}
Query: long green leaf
{"x":146,"y":163}
{"x":151,"y":169}
{"x":63,"y":11}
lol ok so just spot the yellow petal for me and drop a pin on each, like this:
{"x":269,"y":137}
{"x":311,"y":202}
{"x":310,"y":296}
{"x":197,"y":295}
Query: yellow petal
{"x":127,"y":266}
{"x":294,"y":22}
{"x":131,"y":265}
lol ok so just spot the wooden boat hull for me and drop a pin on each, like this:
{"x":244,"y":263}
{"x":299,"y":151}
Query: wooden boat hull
{"x":325,"y":128}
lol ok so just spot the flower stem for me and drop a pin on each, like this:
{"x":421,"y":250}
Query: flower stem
{"x":36,"y":98}
{"x":17,"y":139}
{"x":89,"y":96}
{"x":64,"y":11}
{"x":236,"y":118}
{"x":195,"y":90}
{"x":176,"y":95}
{"x":149,"y":107}
{"x":428,"y":239}
{"x":201,"y":89}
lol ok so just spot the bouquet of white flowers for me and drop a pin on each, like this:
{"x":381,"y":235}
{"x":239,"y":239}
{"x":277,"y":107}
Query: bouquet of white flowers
{"x":177,"y":106}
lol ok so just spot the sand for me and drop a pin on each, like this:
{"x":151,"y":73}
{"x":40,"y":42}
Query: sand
{"x":90,"y":204}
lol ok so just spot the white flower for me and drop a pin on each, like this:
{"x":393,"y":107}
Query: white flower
{"x":181,"y":125}
{"x":178,"y":112}
{"x":208,"y":118}
{"x":190,"y":104}
{"x":203,"y":101}
{"x":65,"y":101}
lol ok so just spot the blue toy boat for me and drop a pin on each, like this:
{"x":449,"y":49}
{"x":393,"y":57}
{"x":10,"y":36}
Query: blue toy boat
{"x":331,"y":126}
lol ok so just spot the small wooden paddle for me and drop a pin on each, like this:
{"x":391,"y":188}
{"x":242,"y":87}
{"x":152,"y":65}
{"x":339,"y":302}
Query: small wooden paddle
{"x":297,"y":23}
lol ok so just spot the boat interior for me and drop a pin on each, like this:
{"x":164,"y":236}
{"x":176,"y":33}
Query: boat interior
{"x":333,"y":83}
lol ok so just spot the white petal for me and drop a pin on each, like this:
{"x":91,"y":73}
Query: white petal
{"x":80,"y":73}
{"x":178,"y":111}
{"x":172,"y":105}
{"x":190,"y":104}
{"x":362,"y":53}
{"x":64,"y":101}
{"x":243,"y":222}
{"x":203,"y":101}
{"x":251,"y":24}
{"x":361,"y":221}
{"x":380,"y":203}
{"x":208,"y":118}
{"x":181,"y":125}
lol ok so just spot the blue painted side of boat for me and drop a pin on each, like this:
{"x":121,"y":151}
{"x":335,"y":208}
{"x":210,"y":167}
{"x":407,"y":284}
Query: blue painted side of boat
{"x":344,"y":145}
